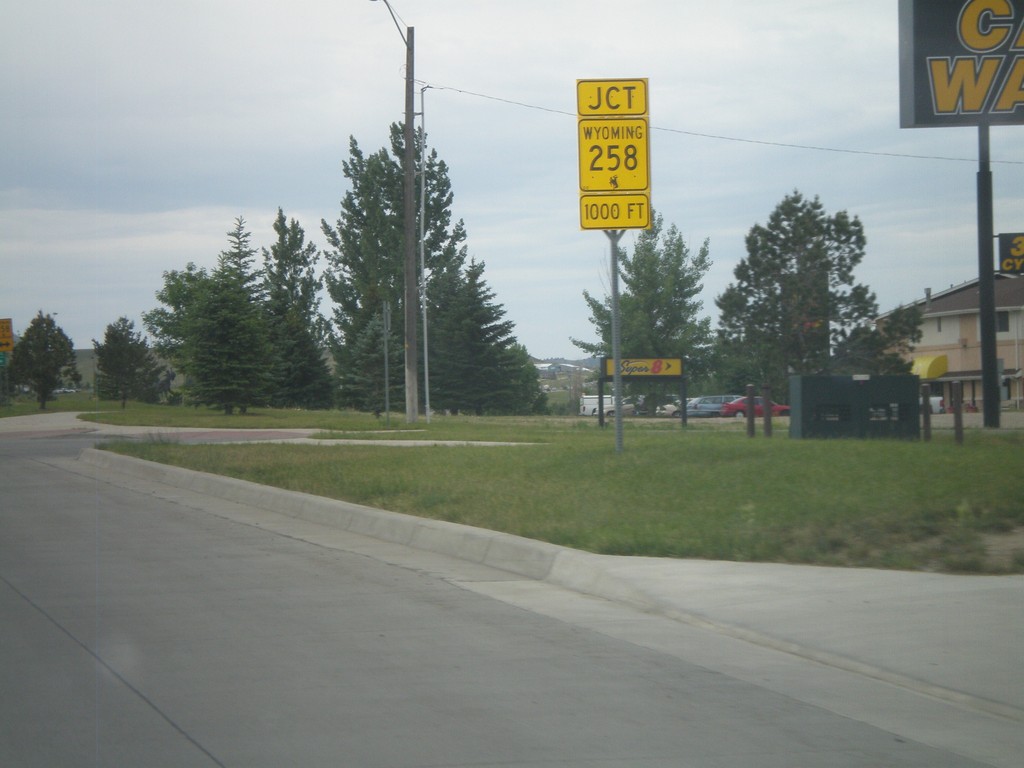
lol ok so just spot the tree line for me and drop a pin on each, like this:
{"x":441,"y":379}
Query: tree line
{"x":795,"y":307}
{"x":249,"y":331}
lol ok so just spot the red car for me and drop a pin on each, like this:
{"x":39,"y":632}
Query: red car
{"x":738,"y":408}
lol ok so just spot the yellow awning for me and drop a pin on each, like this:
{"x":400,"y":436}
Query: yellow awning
{"x":930,"y":367}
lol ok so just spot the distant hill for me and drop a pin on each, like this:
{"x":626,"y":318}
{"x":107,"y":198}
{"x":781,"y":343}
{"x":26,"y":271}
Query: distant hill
{"x":85,"y":361}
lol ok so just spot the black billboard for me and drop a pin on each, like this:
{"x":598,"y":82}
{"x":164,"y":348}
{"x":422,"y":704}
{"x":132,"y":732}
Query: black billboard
{"x":961,"y":62}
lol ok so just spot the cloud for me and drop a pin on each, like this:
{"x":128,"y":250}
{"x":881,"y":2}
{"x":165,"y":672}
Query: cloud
{"x":135,"y":133}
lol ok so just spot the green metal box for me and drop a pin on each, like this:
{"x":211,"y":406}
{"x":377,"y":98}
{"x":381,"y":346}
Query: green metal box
{"x":854,"y":406}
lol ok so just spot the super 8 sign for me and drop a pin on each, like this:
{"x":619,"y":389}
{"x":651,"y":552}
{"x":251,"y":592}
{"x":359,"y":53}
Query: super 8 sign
{"x":644,"y":367}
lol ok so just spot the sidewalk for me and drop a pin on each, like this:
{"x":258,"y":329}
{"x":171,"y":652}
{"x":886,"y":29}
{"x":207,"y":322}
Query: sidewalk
{"x":959,"y":638}
{"x":955,"y":638}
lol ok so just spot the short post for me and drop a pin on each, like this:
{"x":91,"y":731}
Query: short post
{"x":958,"y":411}
{"x":766,"y":400}
{"x":926,"y":412}
{"x":682,"y":402}
{"x":750,"y":410}
{"x":387,"y":372}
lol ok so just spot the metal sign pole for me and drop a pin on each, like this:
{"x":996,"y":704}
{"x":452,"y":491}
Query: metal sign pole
{"x":986,"y":286}
{"x":387,"y":370}
{"x":614,"y":235}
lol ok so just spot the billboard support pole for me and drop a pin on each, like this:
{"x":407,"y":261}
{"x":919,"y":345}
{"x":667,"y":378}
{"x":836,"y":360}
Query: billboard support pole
{"x":986,"y":284}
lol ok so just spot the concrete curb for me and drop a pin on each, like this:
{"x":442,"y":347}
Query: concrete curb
{"x":579,"y":571}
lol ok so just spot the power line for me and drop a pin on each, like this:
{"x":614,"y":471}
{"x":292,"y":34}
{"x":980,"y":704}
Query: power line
{"x":719,"y":137}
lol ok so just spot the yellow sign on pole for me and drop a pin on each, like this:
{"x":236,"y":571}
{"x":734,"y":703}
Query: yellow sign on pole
{"x":6,"y":335}
{"x":614,"y":154}
{"x":611,"y":98}
{"x":627,"y":211}
{"x":645,"y":366}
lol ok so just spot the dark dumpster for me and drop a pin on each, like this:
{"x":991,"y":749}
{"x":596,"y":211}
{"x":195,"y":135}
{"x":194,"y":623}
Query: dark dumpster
{"x":854,"y":406}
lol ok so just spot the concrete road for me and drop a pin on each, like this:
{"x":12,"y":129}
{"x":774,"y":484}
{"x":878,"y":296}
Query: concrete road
{"x":141,"y":629}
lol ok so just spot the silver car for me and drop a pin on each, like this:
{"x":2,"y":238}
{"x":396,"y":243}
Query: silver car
{"x":708,"y":405}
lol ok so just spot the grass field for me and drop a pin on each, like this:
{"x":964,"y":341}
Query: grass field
{"x":706,"y":492}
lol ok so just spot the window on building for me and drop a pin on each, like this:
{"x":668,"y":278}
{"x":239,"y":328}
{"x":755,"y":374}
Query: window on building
{"x":938,"y":323}
{"x":1002,"y":322}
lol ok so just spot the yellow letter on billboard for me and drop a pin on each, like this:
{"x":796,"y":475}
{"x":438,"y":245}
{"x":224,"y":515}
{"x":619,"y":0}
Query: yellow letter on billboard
{"x":962,"y":87}
{"x":980,"y":28}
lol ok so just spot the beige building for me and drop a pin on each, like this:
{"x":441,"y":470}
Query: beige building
{"x":950,"y":346}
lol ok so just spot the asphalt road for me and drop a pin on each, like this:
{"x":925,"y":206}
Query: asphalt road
{"x":141,"y":631}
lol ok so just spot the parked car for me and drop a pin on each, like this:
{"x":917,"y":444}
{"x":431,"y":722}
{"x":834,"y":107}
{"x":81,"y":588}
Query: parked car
{"x":706,"y":406}
{"x":589,"y":403}
{"x":672,"y":409}
{"x":738,"y":408}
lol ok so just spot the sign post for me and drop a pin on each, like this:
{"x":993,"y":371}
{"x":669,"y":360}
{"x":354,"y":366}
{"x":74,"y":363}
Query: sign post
{"x":962,"y":64}
{"x":615,"y":178}
{"x":634,"y":368}
{"x":6,"y":347}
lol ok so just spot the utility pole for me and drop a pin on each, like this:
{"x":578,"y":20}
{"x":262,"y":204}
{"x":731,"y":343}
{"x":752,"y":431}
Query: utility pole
{"x":409,"y":224}
{"x":409,"y":221}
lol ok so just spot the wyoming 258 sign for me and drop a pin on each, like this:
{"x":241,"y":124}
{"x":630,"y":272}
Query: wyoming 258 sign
{"x":961,"y":62}
{"x":615,"y":168}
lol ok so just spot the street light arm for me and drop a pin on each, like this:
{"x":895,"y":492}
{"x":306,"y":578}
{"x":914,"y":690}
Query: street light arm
{"x":395,"y":19}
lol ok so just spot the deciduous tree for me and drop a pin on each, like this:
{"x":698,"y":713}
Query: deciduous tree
{"x":44,"y":358}
{"x":795,"y":297}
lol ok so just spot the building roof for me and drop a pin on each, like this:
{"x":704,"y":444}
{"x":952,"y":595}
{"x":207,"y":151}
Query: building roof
{"x":1009,"y":294}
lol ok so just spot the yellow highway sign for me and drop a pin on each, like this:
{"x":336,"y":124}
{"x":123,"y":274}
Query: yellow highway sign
{"x":611,"y":98}
{"x":626,"y":211}
{"x":614,"y":155}
{"x":6,"y":335}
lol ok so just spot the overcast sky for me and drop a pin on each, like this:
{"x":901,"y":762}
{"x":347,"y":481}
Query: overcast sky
{"x":134,"y":133}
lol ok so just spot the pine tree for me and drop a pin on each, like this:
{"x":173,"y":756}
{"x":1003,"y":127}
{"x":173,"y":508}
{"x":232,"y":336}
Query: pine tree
{"x":125,"y":365}
{"x":658,"y":304}
{"x":301,"y":375}
{"x":475,"y":364}
{"x":232,"y":358}
{"x":365,"y":259}
{"x":214,"y":327}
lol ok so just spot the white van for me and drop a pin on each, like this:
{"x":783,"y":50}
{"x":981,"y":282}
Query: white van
{"x":590,"y":403}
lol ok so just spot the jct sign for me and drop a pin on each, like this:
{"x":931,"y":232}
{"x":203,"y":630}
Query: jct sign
{"x":615,"y":168}
{"x":961,"y":62}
